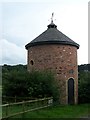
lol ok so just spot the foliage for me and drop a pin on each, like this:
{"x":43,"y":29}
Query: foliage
{"x":8,"y":68}
{"x":84,"y":87}
{"x":18,"y":82}
{"x":84,"y":67}
{"x":24,"y":84}
{"x":14,"y":84}
{"x":43,"y":84}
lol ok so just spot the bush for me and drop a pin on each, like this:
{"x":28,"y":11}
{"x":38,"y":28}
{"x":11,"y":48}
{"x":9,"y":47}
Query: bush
{"x":84,"y":87}
{"x":34,"y":84}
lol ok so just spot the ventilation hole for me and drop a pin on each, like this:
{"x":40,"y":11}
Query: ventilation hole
{"x":31,"y":62}
{"x":60,"y":67}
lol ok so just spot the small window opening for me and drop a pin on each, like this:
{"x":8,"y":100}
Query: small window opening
{"x":31,"y":62}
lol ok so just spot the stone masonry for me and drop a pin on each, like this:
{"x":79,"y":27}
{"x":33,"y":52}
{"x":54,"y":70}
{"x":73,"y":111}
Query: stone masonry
{"x":62,"y":59}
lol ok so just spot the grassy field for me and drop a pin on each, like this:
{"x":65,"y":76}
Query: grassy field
{"x":69,"y":111}
{"x":60,"y":112}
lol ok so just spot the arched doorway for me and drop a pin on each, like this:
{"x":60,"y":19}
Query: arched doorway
{"x":71,"y":91}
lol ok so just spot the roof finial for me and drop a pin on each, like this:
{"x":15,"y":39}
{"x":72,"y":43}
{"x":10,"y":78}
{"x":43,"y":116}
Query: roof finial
{"x":52,"y":25}
{"x":52,"y":17}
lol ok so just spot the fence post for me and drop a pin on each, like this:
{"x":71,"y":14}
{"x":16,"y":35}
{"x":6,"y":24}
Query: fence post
{"x":7,"y":109}
{"x":23,"y":109}
{"x":50,"y":101}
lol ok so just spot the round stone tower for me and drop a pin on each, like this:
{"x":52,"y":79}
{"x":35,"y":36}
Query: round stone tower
{"x":52,"y":50}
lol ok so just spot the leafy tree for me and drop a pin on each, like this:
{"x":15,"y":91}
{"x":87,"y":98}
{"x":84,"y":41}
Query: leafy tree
{"x":24,"y":84}
{"x":84,"y":87}
{"x":8,"y":68}
{"x":14,"y":84}
{"x":43,"y":84}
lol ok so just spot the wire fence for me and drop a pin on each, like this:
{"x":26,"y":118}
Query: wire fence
{"x":10,"y":110}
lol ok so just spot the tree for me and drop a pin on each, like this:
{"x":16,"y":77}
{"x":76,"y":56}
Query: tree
{"x":35,"y":84}
{"x":84,"y":87}
{"x":14,"y":84}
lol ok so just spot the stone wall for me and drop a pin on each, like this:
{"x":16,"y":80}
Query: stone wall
{"x":62,"y":59}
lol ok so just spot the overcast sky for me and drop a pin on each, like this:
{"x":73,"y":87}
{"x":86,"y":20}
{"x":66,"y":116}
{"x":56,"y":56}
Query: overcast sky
{"x":24,"y":21}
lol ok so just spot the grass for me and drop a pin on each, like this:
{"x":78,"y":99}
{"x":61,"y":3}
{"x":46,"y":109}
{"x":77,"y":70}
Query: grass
{"x":12,"y":109}
{"x":68,"y":111}
{"x":73,"y":111}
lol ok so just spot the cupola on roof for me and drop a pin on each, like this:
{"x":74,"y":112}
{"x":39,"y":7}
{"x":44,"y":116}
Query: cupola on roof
{"x":52,"y":36}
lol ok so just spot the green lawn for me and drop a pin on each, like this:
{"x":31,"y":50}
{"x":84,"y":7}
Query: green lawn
{"x":69,"y":111}
{"x":61,"y":112}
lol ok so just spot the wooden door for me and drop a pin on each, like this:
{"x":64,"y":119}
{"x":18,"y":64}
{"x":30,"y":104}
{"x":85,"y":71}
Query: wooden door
{"x":71,"y":91}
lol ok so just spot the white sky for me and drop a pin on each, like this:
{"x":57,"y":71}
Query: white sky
{"x":24,"y":20}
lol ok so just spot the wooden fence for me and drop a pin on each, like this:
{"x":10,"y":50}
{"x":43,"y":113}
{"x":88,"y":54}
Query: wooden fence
{"x":20,"y":108}
{"x":9,"y":99}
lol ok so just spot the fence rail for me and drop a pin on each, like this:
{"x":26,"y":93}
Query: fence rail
{"x":10,"y":99}
{"x":14,"y":109}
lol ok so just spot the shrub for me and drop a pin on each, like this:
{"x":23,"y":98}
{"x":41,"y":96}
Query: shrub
{"x":35,"y":84}
{"x":84,"y":87}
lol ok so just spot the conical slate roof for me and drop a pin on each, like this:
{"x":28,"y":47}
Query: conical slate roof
{"x":52,"y":36}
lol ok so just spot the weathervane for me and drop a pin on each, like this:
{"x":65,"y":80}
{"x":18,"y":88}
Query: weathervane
{"x":52,"y":17}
